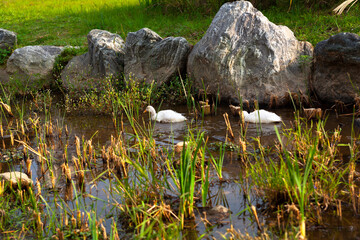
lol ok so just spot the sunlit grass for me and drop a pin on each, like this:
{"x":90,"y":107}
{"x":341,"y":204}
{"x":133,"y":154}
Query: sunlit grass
{"x":68,"y":22}
{"x":315,"y":25}
{"x":64,"y":22}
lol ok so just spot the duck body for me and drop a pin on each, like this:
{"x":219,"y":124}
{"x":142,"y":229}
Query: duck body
{"x":165,"y":116}
{"x":261,"y":116}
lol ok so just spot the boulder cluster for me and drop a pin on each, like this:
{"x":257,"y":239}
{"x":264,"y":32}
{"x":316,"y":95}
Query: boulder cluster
{"x":242,"y":57}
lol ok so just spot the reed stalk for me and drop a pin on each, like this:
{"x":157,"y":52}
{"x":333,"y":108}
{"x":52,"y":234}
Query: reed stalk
{"x":204,"y":181}
{"x":218,"y":162}
{"x":298,"y":182}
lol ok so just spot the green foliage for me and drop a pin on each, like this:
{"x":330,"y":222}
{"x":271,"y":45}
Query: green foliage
{"x":16,"y":207}
{"x":314,"y":25}
{"x":218,"y":162}
{"x":4,"y":54}
{"x":304,"y":167}
{"x":63,"y":59}
{"x":299,"y":184}
{"x":68,"y":22}
{"x":18,"y":85}
{"x":185,"y":175}
{"x":105,"y":97}
{"x":305,"y":62}
{"x":174,"y":91}
{"x":206,"y":6}
{"x":212,"y":6}
{"x":316,"y":5}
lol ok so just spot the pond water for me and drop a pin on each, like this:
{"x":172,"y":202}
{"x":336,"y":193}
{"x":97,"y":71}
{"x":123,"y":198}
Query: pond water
{"x":99,"y":128}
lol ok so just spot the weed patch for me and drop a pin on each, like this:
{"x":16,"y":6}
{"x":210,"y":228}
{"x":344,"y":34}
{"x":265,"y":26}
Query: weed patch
{"x":62,"y":60}
{"x":4,"y":55}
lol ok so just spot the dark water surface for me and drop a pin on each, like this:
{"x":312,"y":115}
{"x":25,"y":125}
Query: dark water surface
{"x":228,"y":194}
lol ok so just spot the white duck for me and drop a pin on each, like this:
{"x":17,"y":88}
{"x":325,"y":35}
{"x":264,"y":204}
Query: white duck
{"x":167,"y":116}
{"x":265,"y":117}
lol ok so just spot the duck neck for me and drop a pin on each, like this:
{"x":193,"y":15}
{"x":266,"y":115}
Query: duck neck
{"x":245,"y":114}
{"x":152,"y":113}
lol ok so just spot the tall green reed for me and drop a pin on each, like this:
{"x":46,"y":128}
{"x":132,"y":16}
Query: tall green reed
{"x":205,"y":183}
{"x":305,"y":166}
{"x":298,"y":183}
{"x":186,"y":180}
{"x":218,"y":162}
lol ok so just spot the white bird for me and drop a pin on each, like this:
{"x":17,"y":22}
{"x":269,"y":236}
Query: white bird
{"x":265,"y":117}
{"x":167,"y":116}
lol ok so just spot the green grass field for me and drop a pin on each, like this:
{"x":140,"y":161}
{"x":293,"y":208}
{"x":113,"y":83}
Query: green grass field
{"x":135,"y":184}
{"x":63,"y":22}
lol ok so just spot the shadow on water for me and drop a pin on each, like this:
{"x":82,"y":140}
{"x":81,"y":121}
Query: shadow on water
{"x":228,"y":194}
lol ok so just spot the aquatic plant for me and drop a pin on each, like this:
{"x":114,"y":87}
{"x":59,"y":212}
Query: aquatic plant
{"x":185,"y":177}
{"x":218,"y":162}
{"x":303,"y":167}
{"x":154,"y":190}
{"x":298,"y":184}
{"x":205,"y":183}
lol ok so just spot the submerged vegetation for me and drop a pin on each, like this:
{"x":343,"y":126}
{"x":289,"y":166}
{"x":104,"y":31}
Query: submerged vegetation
{"x":149,"y":190}
{"x":133,"y":185}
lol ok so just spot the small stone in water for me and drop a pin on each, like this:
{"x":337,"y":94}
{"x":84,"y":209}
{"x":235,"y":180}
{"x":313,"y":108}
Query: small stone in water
{"x":219,"y":209}
{"x":179,"y":146}
{"x":16,"y":177}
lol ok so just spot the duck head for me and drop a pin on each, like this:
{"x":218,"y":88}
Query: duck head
{"x":152,"y":112}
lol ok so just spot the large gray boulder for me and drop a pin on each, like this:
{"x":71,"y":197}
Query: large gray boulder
{"x":336,"y":74}
{"x":150,"y":57}
{"x":104,"y":58}
{"x":77,"y":74}
{"x":106,"y":53}
{"x":8,"y":39}
{"x":244,"y":54}
{"x":33,"y":63}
